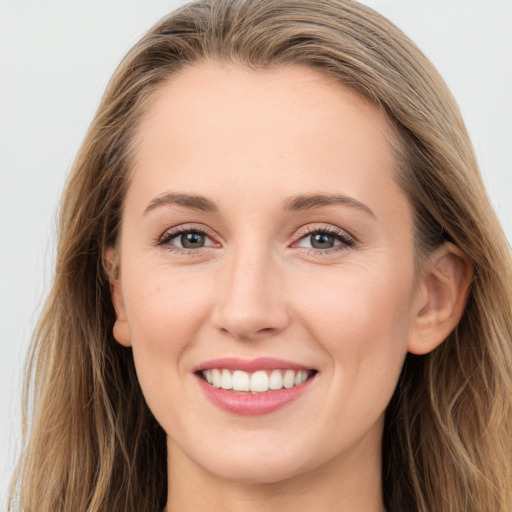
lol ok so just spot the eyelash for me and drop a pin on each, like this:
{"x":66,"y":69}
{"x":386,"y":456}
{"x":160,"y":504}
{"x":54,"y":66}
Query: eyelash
{"x":165,"y":239}
{"x":345,"y":240}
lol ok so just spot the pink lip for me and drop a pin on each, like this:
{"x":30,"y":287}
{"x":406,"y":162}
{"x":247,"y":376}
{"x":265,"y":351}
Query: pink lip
{"x":249,"y":404}
{"x":253,"y":365}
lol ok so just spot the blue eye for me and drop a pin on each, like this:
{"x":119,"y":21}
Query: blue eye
{"x":322,"y":240}
{"x":186,"y":239}
{"x":191,"y":240}
{"x":325,"y":239}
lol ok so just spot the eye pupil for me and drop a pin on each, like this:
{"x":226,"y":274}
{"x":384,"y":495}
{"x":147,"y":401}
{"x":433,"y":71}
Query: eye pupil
{"x":192,"y":240}
{"x":322,"y":241}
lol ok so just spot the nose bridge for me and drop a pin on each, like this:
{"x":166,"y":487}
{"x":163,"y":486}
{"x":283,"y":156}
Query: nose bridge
{"x":250,"y":301}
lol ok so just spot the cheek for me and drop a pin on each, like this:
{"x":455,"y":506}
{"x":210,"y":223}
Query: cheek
{"x":361,"y":316}
{"x":165,"y":311}
{"x":162,"y":301}
{"x":373,"y":297}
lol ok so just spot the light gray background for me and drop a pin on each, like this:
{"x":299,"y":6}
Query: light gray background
{"x":55,"y":60}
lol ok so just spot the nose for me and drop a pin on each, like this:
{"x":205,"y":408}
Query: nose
{"x":251,"y":302}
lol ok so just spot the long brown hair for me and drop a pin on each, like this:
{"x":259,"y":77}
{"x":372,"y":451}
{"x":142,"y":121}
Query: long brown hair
{"x":91,"y":442}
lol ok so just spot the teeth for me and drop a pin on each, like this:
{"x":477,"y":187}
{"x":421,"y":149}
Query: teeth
{"x":240,"y":381}
{"x":276,"y":380}
{"x":300,"y":377}
{"x":257,"y":382}
{"x":226,"y":381}
{"x":289,"y":379}
{"x":216,"y":378}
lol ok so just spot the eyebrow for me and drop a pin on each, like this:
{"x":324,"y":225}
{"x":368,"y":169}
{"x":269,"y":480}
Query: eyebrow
{"x":296,"y":203}
{"x":192,"y":201}
{"x":312,"y":201}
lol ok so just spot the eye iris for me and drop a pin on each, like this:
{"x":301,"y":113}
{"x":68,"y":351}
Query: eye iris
{"x":322,"y":241}
{"x":192,"y":240}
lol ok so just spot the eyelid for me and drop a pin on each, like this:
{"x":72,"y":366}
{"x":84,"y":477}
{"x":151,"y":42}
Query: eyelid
{"x":322,"y":227}
{"x":170,"y":233}
{"x":346,"y":238}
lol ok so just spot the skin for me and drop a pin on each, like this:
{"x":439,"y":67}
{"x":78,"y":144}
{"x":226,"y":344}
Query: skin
{"x":248,"y":141}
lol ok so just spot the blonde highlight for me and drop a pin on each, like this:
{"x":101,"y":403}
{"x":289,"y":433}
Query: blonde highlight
{"x":447,"y":443}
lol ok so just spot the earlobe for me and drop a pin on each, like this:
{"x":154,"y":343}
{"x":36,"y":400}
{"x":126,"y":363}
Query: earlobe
{"x":121,"y":331}
{"x":441,"y":298}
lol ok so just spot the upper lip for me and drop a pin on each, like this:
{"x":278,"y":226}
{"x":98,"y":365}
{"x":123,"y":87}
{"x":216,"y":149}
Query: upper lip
{"x":251,"y":365}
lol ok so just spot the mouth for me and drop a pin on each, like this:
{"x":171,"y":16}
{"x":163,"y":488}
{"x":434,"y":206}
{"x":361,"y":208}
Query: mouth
{"x":253,"y":387}
{"x":260,"y":381}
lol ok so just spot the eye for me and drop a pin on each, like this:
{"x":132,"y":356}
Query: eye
{"x":325,"y":239}
{"x":188,"y":239}
{"x":322,"y":240}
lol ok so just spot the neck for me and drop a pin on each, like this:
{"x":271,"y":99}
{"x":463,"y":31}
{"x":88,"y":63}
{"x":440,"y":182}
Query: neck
{"x":351,"y":483}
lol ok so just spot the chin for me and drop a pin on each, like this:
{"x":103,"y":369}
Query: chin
{"x":253,"y":459}
{"x":257,"y":470}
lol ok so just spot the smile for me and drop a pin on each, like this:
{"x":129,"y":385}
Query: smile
{"x":253,"y":387}
{"x":261,"y":381}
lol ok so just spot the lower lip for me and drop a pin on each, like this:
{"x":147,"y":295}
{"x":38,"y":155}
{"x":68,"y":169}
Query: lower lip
{"x":253,"y":404}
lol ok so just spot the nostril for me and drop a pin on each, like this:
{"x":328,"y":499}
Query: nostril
{"x":246,"y":334}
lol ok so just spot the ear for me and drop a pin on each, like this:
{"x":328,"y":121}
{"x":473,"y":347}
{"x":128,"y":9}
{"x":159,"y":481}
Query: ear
{"x":121,"y":331}
{"x":441,"y":298}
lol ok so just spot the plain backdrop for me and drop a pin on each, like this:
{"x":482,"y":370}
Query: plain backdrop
{"x":55,"y":60}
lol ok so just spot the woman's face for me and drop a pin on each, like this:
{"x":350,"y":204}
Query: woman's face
{"x":264,"y":240}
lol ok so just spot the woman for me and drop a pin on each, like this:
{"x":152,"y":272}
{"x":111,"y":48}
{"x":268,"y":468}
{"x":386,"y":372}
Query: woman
{"x":280,"y":283}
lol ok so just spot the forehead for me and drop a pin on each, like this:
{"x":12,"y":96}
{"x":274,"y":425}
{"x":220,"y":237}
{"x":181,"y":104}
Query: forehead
{"x":212,"y":95}
{"x":284,"y":129}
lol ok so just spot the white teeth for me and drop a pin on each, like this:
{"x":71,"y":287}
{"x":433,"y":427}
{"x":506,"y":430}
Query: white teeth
{"x":226,"y":381}
{"x":275,"y":380}
{"x":240,"y":381}
{"x":216,"y":378}
{"x":257,"y":382}
{"x":289,"y":379}
{"x":300,"y":377}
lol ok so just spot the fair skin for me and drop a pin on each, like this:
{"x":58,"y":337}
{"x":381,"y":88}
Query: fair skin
{"x":258,"y":279}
